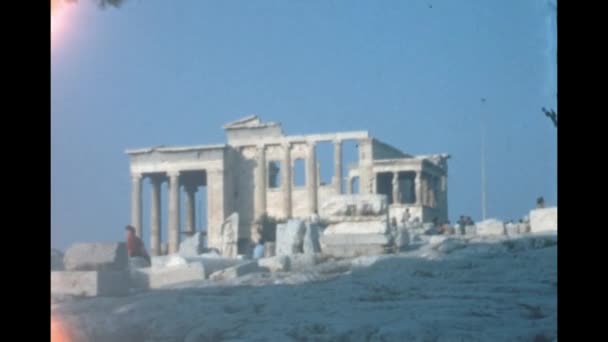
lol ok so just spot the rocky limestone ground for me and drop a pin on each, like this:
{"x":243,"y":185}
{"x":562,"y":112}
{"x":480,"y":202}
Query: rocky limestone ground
{"x":454,"y":289}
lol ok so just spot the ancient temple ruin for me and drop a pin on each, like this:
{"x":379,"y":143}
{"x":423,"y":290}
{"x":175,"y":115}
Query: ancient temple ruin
{"x":242,"y":176}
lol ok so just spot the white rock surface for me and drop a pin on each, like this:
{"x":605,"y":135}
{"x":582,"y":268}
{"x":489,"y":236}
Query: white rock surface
{"x":495,"y":288}
{"x":300,"y":262}
{"x":96,"y":256}
{"x":236,"y":271}
{"x":192,"y":246}
{"x":490,"y":227}
{"x":542,"y":220}
{"x":171,"y":260}
{"x":138,"y":262}
{"x":156,"y":278}
{"x":275,"y":263}
{"x":512,"y":229}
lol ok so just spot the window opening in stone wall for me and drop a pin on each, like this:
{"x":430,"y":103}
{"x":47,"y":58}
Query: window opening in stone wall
{"x":384,"y":185}
{"x":299,"y":172}
{"x":274,"y":174}
{"x":325,"y":161}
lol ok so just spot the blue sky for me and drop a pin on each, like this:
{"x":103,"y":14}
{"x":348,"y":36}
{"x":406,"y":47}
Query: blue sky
{"x":173,"y":72}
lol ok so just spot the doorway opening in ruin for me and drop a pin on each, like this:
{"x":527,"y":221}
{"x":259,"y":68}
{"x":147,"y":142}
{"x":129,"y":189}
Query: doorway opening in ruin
{"x":299,"y":173}
{"x":407,"y":187}
{"x":384,"y":185}
{"x":325,"y":162}
{"x":350,"y":159}
{"x":274,"y":174}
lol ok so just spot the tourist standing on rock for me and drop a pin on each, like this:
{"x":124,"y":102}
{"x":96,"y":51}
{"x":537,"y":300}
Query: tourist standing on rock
{"x":461,"y":224}
{"x":135,"y":247}
{"x":406,"y":217}
{"x":540,"y":202}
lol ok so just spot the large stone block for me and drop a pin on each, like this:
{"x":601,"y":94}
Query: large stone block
{"x":339,"y":207}
{"x":544,"y":219}
{"x":365,"y":227}
{"x":90,"y":283}
{"x":193,"y":245}
{"x":300,"y":262}
{"x":171,"y":260}
{"x":97,"y":257}
{"x":236,"y":271}
{"x":56,"y":260}
{"x":311,"y":243}
{"x":290,"y":237}
{"x":275,"y":263}
{"x":355,"y":239}
{"x":155,"y":278}
{"x":490,"y":227}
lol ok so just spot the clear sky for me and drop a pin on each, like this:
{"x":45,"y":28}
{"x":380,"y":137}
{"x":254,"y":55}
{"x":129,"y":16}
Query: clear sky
{"x":157,"y":72}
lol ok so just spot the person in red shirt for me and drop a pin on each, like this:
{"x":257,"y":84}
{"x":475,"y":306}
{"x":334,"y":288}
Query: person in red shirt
{"x":135,"y":247}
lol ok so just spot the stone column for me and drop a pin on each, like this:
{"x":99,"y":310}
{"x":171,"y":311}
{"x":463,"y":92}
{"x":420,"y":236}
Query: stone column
{"x":419,"y":201}
{"x":260,"y":183}
{"x":190,"y":210}
{"x":338,"y":166}
{"x":396,"y":198}
{"x":287,"y":180}
{"x":311,"y":177}
{"x":173,"y":236}
{"x":155,"y":219}
{"x":136,"y":202}
{"x":444,"y":196}
{"x":349,"y":185}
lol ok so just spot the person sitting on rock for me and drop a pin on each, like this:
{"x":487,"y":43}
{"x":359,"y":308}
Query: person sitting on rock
{"x":135,"y":247}
{"x":258,"y":251}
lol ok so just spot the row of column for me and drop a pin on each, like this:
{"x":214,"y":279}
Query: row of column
{"x":286,"y":186}
{"x":425,"y":191}
{"x":155,"y":210}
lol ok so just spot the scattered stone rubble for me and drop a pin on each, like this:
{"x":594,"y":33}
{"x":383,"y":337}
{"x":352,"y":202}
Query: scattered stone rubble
{"x":356,"y":225}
